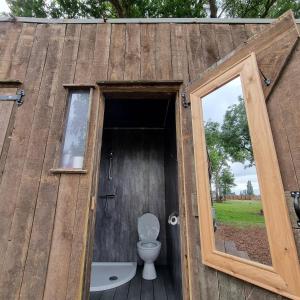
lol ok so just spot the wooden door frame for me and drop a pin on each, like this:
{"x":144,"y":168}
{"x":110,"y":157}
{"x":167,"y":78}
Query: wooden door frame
{"x":131,"y":87}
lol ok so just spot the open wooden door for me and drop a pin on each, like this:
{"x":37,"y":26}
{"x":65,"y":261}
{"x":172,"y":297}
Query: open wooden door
{"x":231,"y":111}
{"x":95,"y":166}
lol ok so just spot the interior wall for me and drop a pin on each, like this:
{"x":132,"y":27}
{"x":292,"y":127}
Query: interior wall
{"x":138,"y":182}
{"x":172,"y":202}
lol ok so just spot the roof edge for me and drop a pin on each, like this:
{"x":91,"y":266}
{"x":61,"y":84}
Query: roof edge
{"x":140,"y":20}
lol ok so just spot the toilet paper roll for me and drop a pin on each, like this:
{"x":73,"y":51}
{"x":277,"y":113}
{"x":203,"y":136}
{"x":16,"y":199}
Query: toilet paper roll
{"x":173,"y":220}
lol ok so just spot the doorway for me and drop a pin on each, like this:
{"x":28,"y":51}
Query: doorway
{"x":138,"y":174}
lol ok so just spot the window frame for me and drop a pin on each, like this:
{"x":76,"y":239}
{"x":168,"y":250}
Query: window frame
{"x":57,"y":168}
{"x":283,"y":276}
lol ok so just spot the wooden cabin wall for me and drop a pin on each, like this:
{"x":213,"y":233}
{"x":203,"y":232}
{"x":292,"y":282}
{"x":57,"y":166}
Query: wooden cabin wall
{"x":42,"y":215}
{"x":139,"y":184}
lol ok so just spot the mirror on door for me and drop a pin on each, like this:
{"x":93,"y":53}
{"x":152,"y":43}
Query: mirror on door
{"x":238,"y":214}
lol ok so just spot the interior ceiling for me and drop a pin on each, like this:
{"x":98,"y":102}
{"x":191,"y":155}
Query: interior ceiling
{"x":136,"y":110}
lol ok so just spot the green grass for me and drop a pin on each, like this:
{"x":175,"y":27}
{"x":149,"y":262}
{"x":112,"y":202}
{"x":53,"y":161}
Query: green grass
{"x":239,"y":213}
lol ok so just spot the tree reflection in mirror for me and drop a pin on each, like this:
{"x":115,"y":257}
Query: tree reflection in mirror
{"x":239,"y":217}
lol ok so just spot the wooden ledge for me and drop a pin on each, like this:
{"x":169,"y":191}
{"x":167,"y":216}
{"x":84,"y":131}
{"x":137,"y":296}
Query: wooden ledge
{"x":78,"y":85}
{"x":140,"y":85}
{"x":68,"y":171}
{"x":139,"y":82}
{"x":9,"y":83}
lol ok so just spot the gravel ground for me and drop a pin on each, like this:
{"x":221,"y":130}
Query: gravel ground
{"x":252,"y":240}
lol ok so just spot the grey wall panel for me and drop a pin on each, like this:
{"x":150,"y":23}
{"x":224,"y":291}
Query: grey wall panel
{"x":138,"y":182}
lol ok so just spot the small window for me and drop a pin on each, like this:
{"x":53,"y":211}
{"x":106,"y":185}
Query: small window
{"x":76,"y":130}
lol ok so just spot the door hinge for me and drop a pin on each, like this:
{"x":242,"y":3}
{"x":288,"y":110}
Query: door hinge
{"x":296,"y":196}
{"x":267,"y":81}
{"x":185,"y":101}
{"x":18,"y":97}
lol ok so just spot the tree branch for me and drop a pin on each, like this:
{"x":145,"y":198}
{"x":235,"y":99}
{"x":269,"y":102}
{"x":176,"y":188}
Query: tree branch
{"x":117,"y":5}
{"x":213,"y":8}
{"x":268,"y":6}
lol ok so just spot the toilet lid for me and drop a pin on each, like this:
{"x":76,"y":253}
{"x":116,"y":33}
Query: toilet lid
{"x":148,"y":227}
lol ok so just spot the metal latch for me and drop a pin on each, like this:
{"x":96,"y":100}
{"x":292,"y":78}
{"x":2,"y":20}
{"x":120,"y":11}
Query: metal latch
{"x":296,"y":196}
{"x":18,"y":97}
{"x":185,"y":102}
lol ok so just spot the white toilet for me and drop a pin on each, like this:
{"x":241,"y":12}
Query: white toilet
{"x":148,"y":247}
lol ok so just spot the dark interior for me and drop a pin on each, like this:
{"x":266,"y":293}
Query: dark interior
{"x":140,"y":137}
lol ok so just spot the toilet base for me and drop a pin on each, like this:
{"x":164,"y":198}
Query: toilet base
{"x":149,"y":272}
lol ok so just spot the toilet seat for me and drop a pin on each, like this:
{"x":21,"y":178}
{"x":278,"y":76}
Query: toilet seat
{"x":148,"y":245}
{"x":148,"y":227}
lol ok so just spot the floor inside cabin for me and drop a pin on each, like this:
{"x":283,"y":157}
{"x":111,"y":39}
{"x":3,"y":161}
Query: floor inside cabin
{"x":159,"y":289}
{"x":138,"y":174}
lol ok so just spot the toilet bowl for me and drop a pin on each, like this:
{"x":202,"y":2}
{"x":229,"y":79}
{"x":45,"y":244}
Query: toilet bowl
{"x":148,"y":247}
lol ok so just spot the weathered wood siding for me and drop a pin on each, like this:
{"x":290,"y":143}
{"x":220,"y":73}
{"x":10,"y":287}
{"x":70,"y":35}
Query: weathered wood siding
{"x":42,"y":215}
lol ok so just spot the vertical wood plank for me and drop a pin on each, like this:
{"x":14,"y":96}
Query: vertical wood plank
{"x":239,"y":34}
{"x":66,"y":187}
{"x":59,"y":261}
{"x":99,"y":72}
{"x":209,"y":46}
{"x":84,"y":64}
{"x":223,"y":39}
{"x":117,"y":52}
{"x":181,"y":70}
{"x":148,"y":51}
{"x":122,"y":292}
{"x":159,"y":287}
{"x":23,"y":51}
{"x":163,"y":62}
{"x":194,"y":50}
{"x":179,"y":55}
{"x":8,"y":43}
{"x":80,"y":234}
{"x":289,"y":105}
{"x":147,"y":290}
{"x":134,"y":292}
{"x":182,"y":199}
{"x":133,"y":52}
{"x":101,"y":53}
{"x":284,"y":119}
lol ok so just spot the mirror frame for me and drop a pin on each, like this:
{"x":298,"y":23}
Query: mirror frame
{"x":283,"y":276}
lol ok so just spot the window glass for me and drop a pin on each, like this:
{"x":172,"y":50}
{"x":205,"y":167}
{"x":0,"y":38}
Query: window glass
{"x":76,"y":129}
